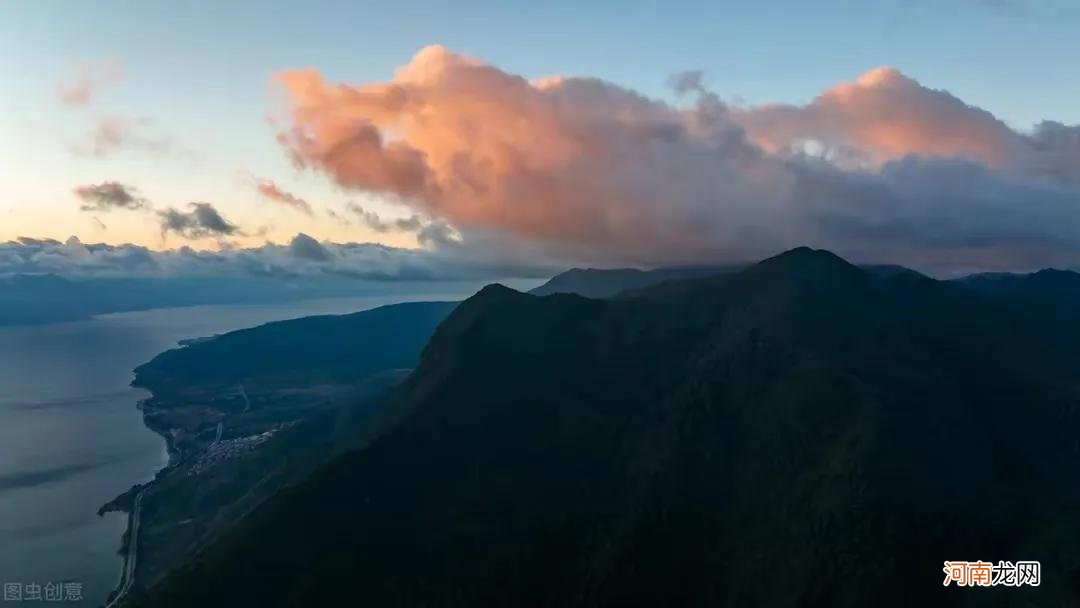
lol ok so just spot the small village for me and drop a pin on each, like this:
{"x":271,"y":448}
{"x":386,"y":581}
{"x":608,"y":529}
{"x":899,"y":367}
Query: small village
{"x":228,"y":449}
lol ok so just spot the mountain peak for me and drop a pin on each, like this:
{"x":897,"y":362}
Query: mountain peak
{"x":1055,"y":273}
{"x":815,"y":261}
{"x":496,"y":290}
{"x":607,"y":283}
{"x":804,"y":254}
{"x":576,"y":446}
{"x":493,"y":294}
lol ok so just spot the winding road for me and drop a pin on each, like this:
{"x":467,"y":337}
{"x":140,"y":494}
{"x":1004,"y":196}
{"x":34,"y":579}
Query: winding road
{"x":127,"y":575}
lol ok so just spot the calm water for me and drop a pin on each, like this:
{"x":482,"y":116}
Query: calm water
{"x":71,"y":438}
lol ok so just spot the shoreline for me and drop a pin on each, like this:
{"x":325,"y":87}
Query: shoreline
{"x":176,"y":410}
{"x":130,"y":502}
{"x":126,"y":572}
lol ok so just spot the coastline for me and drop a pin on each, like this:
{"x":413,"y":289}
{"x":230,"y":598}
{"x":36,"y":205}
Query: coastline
{"x":86,"y":367}
{"x":122,"y":503}
{"x":130,"y":502}
{"x":185,"y":410}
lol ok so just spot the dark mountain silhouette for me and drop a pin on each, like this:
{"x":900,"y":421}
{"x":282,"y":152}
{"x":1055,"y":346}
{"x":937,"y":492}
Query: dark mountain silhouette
{"x":799,"y":433}
{"x":1048,"y":300}
{"x":304,"y":389}
{"x":331,"y":348}
{"x":609,"y":282}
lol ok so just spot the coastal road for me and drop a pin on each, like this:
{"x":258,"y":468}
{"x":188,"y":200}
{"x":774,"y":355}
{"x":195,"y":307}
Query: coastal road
{"x":247,"y":402}
{"x":127,"y":575}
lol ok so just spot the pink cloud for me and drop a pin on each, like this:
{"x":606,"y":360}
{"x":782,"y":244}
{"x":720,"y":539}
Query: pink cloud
{"x":885,"y":115}
{"x":270,"y":191}
{"x":572,"y":160}
{"x":593,"y":171}
{"x":88,"y":81}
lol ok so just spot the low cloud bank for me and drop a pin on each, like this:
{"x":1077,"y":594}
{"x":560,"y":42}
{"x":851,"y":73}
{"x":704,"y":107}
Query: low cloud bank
{"x":304,"y":256}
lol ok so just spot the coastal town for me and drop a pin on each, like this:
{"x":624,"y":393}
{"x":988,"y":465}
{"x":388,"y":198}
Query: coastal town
{"x":224,"y":450}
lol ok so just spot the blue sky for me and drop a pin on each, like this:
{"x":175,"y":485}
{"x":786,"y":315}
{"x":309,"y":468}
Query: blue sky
{"x":200,"y":72}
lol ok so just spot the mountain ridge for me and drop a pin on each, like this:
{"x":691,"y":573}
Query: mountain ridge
{"x":609,"y":282}
{"x":672,"y":448}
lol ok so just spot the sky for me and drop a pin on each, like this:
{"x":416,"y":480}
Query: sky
{"x":905,"y":131}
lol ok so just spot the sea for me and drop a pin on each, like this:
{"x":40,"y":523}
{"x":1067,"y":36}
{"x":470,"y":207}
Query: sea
{"x":72,"y":438}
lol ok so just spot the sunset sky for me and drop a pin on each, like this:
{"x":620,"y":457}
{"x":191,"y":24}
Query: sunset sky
{"x":937,"y":134}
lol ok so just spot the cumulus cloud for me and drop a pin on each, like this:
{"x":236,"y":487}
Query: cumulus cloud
{"x":270,"y":191}
{"x":571,"y":160}
{"x":84,"y":86}
{"x":882,"y":168}
{"x":1055,"y":151}
{"x":690,"y":81}
{"x":306,"y":248}
{"x":413,"y":223}
{"x":302,"y":257}
{"x":30,"y":241}
{"x":109,"y":195}
{"x":75,"y":259}
{"x":203,"y":220}
{"x":438,"y":235}
{"x":885,"y":115}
